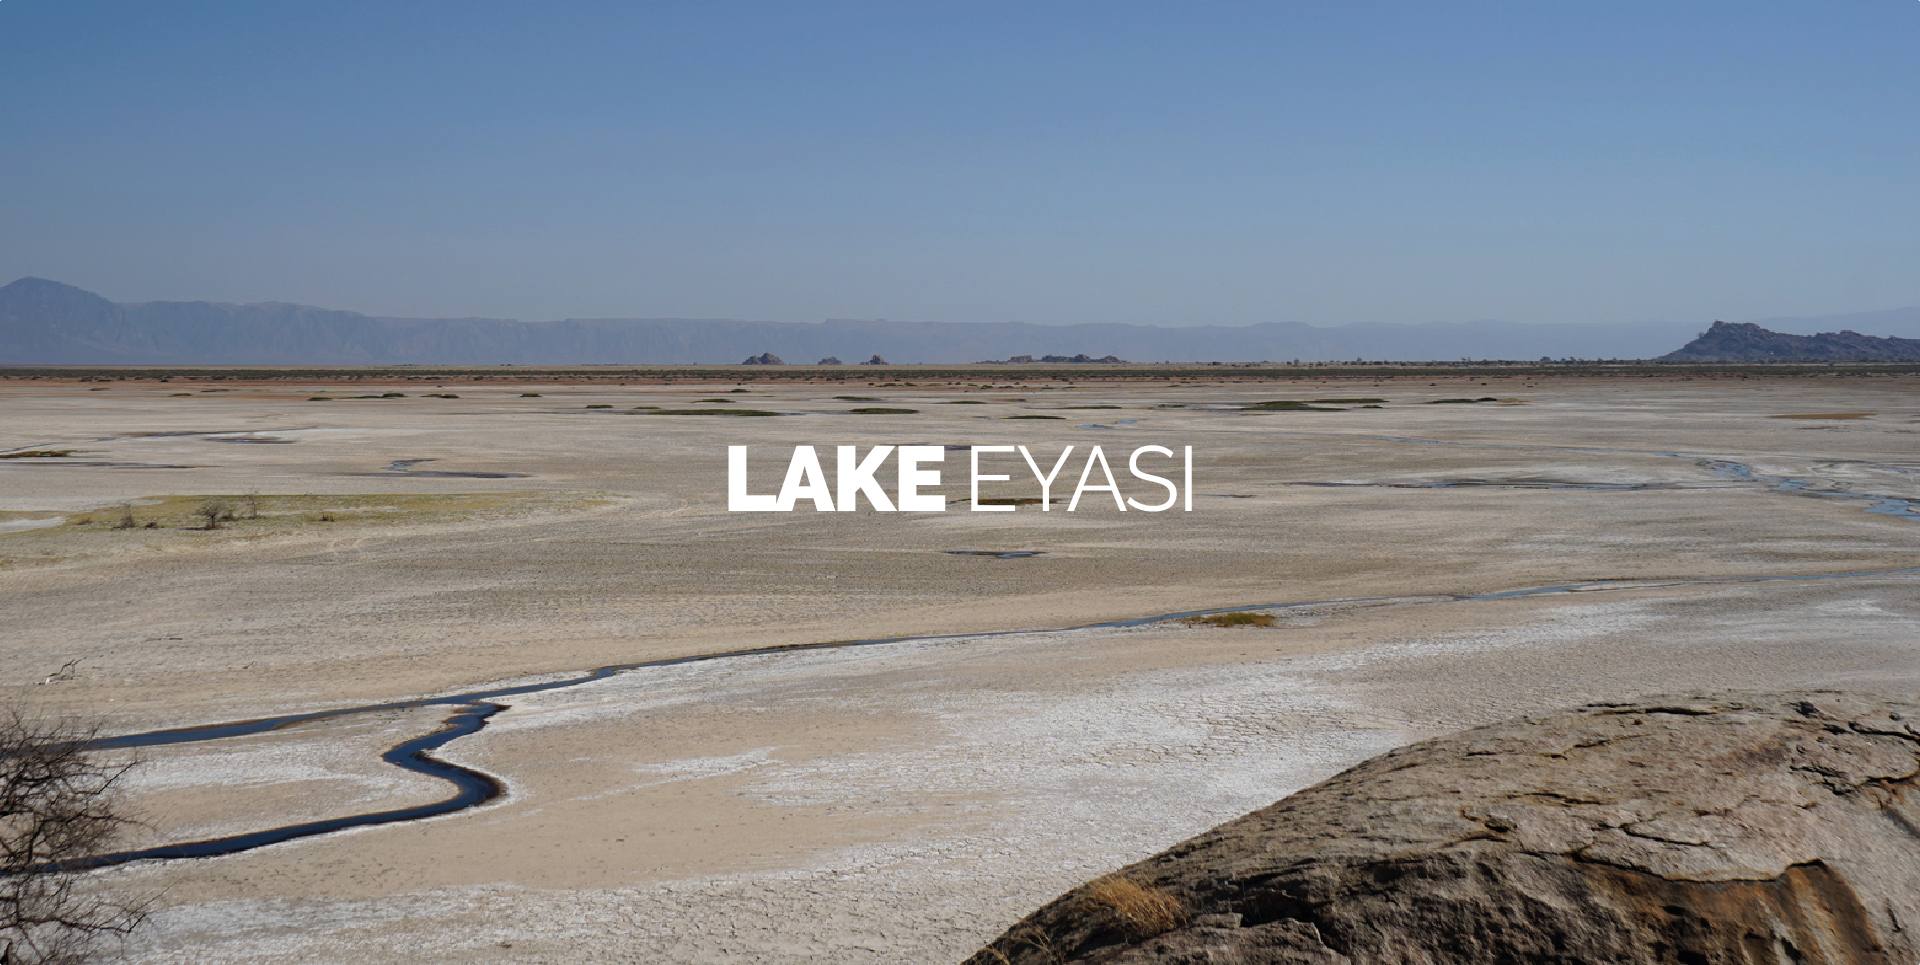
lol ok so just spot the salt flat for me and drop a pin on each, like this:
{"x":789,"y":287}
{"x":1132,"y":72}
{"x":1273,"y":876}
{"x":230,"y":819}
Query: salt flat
{"x":901,"y":801}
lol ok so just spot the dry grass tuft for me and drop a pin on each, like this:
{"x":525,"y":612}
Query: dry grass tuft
{"x":1021,"y":942}
{"x":1238,"y":618}
{"x":1144,"y":909}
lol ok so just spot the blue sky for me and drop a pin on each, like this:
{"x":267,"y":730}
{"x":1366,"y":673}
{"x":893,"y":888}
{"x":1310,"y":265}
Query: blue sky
{"x":1172,"y":163}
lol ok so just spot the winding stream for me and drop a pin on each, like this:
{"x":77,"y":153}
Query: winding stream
{"x":471,"y":710}
{"x":474,"y":708}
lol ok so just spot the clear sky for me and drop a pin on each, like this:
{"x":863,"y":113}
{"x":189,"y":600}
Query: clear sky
{"x":1336,"y":161}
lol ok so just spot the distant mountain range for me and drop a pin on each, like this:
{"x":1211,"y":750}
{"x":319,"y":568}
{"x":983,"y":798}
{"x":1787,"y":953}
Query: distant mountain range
{"x":1748,"y":342}
{"x":46,"y":322}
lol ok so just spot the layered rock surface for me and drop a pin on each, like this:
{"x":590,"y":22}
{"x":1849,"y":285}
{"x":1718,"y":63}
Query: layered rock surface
{"x":1727,"y":828}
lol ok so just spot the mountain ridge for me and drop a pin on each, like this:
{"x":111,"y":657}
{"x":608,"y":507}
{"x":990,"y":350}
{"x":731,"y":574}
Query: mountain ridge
{"x":50,"y":322}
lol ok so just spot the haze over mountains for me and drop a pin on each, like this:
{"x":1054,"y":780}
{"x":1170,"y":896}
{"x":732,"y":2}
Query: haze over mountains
{"x":46,"y":322}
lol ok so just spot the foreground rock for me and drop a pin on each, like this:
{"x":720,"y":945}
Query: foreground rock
{"x":1732,"y":828}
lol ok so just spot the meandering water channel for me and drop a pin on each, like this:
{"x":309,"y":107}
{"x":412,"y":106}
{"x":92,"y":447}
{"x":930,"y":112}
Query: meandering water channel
{"x":470,"y":711}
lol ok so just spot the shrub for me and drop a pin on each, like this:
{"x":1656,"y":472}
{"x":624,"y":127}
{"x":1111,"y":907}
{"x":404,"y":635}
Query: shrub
{"x":59,"y":805}
{"x":213,"y":512}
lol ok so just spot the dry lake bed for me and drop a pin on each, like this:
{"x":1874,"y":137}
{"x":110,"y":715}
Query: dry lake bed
{"x":902,"y":731}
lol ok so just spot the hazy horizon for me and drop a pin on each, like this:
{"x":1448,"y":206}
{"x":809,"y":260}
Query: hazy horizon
{"x":1900,"y":313}
{"x":1395,"y":163}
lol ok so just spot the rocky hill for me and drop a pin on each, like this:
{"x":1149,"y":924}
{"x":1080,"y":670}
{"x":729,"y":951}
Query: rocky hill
{"x":1709,"y":829}
{"x":1747,"y":342}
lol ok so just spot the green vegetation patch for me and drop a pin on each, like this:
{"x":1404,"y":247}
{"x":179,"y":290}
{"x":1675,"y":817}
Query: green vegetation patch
{"x":196,"y":522}
{"x":739,"y":412}
{"x":858,"y":398}
{"x":37,"y":454}
{"x":1288,"y":405}
{"x":1238,"y":618}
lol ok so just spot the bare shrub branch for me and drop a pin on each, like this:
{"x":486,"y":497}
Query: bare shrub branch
{"x":58,"y":806}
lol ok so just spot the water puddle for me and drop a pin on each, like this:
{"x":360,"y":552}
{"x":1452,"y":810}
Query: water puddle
{"x":251,"y":439}
{"x":404,"y":467}
{"x":1524,"y":482}
{"x":1880,"y":504}
{"x":94,"y":464}
{"x":22,"y":525}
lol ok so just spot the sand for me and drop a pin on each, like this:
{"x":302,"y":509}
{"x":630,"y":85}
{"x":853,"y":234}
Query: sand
{"x":901,"y":802}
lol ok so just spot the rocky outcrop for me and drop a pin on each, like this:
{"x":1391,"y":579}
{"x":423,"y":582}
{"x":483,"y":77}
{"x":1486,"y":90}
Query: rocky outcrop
{"x":1747,"y":342}
{"x":1080,"y":359}
{"x":764,"y":358}
{"x":830,"y":360}
{"x":875,"y":360}
{"x":1731,"y":828}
